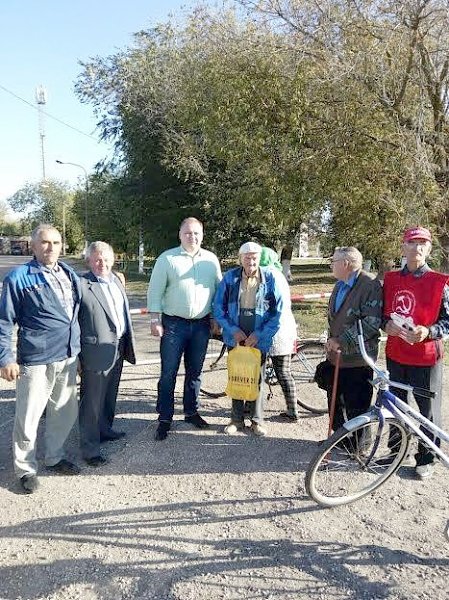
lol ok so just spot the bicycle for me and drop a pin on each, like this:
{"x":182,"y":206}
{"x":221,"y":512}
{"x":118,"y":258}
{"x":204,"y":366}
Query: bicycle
{"x":366,"y":451}
{"x":309,"y":352}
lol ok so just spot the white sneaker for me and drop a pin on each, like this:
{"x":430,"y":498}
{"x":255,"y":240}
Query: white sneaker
{"x":424,"y":471}
{"x":258,"y":429}
{"x":232,"y":428}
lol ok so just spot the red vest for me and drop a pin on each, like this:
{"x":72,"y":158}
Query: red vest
{"x":419,"y":298}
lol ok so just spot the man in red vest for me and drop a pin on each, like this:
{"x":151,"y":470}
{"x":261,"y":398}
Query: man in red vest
{"x":416,"y":317}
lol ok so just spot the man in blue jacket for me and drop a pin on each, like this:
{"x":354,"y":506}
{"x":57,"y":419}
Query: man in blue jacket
{"x":248,"y":305}
{"x":42,"y":297}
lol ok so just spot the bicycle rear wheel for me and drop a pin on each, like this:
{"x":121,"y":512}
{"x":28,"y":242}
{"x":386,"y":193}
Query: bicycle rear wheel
{"x":214,"y":376}
{"x":342,"y":471}
{"x":304,"y":363}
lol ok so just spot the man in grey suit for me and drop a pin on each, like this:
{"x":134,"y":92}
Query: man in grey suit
{"x":106,"y":340}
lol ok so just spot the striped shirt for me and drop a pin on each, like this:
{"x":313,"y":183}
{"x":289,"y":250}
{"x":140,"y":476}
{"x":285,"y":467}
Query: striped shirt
{"x":60,"y":283}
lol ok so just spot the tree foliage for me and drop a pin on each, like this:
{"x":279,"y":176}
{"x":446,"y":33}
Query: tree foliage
{"x":48,"y":202}
{"x":219,"y":105}
{"x":255,"y":123}
{"x":385,"y":65}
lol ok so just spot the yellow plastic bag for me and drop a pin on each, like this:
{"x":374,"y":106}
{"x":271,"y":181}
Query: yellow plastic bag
{"x":243,"y":373}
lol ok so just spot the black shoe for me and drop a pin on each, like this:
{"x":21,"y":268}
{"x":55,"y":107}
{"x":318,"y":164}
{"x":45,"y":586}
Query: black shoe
{"x":289,"y":418}
{"x":29,"y":483}
{"x":197,"y":421}
{"x":162,"y":431}
{"x":112,"y":435}
{"x":64,"y":467}
{"x":95,"y":461}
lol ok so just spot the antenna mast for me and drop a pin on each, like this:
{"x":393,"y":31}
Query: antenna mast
{"x":41,"y":100}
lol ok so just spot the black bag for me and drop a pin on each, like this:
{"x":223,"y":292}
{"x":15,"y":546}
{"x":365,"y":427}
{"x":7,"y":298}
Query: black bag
{"x":324,"y":375}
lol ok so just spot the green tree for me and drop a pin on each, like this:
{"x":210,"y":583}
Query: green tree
{"x":221,"y":106}
{"x":48,"y":202}
{"x":390,"y":59}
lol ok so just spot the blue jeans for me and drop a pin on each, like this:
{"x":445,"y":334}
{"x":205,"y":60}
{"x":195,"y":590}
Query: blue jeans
{"x":181,"y":336}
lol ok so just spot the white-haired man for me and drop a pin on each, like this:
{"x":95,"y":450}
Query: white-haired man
{"x":356,"y":296}
{"x":416,"y":318}
{"x":248,"y":306}
{"x":106,"y":340}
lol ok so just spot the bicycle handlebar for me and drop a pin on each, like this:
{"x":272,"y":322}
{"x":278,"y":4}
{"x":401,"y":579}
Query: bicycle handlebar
{"x":384,"y":375}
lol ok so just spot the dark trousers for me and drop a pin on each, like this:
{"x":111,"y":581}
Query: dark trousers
{"x":98,"y":397}
{"x":181,"y":336}
{"x":354,"y":394}
{"x":428,"y":378}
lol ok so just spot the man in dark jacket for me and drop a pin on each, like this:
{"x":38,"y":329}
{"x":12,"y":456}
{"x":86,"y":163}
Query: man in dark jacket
{"x":356,"y":296}
{"x":42,"y":297}
{"x":106,"y":340}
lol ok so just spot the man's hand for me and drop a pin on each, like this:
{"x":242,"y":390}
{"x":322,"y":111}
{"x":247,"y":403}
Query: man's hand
{"x":157,"y":330}
{"x":418,"y":334}
{"x":239,"y":336}
{"x":412,"y":336}
{"x":251,"y":340}
{"x":215,"y":329}
{"x":332,"y":345}
{"x":11,"y":372}
{"x":394,"y":330}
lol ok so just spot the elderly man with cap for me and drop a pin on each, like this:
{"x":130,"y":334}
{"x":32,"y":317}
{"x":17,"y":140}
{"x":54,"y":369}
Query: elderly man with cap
{"x":416,"y":318}
{"x":248,"y":305}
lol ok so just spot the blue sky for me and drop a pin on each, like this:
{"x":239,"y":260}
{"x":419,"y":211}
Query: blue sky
{"x":41,"y":42}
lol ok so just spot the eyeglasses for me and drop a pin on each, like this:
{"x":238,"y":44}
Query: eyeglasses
{"x":335,"y":260}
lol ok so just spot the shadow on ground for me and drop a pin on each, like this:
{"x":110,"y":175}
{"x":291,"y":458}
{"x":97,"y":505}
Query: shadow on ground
{"x":160,"y":555}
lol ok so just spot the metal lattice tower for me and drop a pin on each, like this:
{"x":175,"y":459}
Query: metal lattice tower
{"x":41,"y":100}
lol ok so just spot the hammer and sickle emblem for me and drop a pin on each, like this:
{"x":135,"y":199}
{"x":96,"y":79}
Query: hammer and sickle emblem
{"x":404,"y":303}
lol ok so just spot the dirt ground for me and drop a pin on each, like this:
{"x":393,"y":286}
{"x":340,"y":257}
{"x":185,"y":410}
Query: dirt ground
{"x":204,"y":516}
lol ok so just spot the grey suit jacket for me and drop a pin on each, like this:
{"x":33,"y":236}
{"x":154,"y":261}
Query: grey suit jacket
{"x":99,"y":341}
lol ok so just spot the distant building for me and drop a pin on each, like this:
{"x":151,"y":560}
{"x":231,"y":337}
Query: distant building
{"x":307,"y":242}
{"x":15,"y":244}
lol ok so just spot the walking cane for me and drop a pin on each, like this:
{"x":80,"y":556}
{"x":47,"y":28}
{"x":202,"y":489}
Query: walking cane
{"x":334,"y":393}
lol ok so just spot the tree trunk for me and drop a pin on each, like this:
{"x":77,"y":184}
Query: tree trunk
{"x":444,"y":242}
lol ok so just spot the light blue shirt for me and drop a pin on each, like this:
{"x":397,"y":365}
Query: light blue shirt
{"x":184,"y":285}
{"x":343,"y":289}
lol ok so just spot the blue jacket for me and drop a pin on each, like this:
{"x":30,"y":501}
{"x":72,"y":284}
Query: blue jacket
{"x":268,"y":307}
{"x":45,"y":334}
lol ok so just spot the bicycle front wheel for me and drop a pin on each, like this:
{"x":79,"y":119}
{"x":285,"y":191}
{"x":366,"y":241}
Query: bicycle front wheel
{"x":304,"y":363}
{"x":343,"y":469}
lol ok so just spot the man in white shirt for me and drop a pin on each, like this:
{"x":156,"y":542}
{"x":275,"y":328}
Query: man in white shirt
{"x":106,"y":340}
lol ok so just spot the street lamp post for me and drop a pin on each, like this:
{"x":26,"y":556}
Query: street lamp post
{"x":86,"y":179}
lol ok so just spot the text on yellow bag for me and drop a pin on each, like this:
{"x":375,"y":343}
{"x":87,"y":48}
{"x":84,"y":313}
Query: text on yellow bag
{"x":243,"y":373}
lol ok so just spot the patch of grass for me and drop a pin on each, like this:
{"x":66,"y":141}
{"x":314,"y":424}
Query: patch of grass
{"x":311,"y":318}
{"x":311,"y":278}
